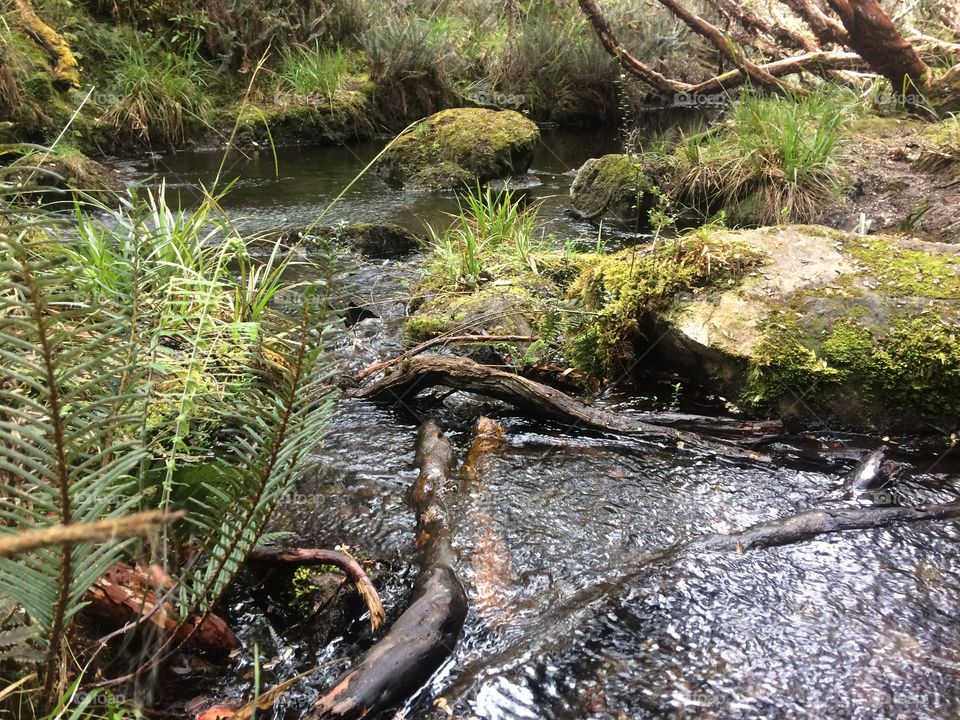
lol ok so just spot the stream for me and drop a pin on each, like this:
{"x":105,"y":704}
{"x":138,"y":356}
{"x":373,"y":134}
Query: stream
{"x":857,"y":625}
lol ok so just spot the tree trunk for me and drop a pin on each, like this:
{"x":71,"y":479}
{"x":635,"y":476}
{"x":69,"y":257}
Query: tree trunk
{"x":66,"y":72}
{"x":872,"y":34}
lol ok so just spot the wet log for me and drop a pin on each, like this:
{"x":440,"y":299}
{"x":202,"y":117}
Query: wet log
{"x":490,"y":557}
{"x":459,"y":373}
{"x":128,"y":595}
{"x":424,"y":636}
{"x":315,"y":556}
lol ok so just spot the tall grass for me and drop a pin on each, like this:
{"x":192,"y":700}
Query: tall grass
{"x":413,"y":63}
{"x":775,"y":160}
{"x":159,"y":94}
{"x":492,"y":231}
{"x":312,"y":72}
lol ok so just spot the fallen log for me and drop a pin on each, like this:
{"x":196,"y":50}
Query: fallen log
{"x":350,"y":567}
{"x":559,"y":622}
{"x":426,"y":633}
{"x":459,"y":373}
{"x":128,"y":595}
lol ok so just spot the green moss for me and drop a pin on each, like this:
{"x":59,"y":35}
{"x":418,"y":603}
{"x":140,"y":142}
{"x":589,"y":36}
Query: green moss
{"x":614,"y":186}
{"x":425,"y":326}
{"x":459,"y":147}
{"x":629,"y":288}
{"x":904,"y":272}
{"x":909,"y":373}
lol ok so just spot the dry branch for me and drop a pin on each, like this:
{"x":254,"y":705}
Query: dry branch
{"x":458,"y":373}
{"x":124,"y":527}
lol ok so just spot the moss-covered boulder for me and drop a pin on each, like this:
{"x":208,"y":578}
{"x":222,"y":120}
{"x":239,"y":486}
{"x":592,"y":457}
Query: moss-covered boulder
{"x":55,"y":175}
{"x":613,"y":187}
{"x":833,"y":330}
{"x":459,"y":147}
{"x":502,"y":308}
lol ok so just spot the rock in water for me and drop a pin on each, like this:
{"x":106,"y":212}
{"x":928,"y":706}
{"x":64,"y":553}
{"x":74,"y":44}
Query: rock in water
{"x":613,"y":187}
{"x":459,"y":147}
{"x":874,"y":472}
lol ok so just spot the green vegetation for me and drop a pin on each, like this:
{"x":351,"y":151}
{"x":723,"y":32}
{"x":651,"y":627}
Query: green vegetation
{"x":160,"y":94}
{"x":312,"y":73}
{"x":628,"y":289}
{"x":493,"y":233}
{"x":893,"y":375}
{"x":775,"y":160}
{"x":941,"y":152}
{"x":132,"y":348}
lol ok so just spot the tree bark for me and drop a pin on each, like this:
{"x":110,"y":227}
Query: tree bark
{"x":464,"y":374}
{"x":827,"y":30}
{"x":127,"y":596}
{"x":425,"y":634}
{"x":66,"y":72}
{"x":872,"y":34}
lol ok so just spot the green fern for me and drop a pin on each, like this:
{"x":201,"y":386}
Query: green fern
{"x":66,"y":451}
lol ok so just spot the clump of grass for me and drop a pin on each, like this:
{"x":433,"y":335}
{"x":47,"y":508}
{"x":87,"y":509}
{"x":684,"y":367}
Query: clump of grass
{"x":492,"y":233}
{"x":775,"y":160}
{"x":312,"y":72}
{"x":941,"y":152}
{"x":159,"y":93}
{"x":413,"y":63}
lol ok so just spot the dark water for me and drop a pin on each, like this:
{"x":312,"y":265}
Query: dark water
{"x":860,"y":625}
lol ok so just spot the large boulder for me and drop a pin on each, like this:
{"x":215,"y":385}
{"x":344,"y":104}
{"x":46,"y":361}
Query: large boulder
{"x":459,"y":147}
{"x":613,"y":187}
{"x":834,"y":329}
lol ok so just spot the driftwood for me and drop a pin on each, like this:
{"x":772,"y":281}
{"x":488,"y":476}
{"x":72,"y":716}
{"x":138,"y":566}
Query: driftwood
{"x":126,"y":595}
{"x":459,"y":373}
{"x":350,"y":567}
{"x":805,"y":525}
{"x":425,"y":634}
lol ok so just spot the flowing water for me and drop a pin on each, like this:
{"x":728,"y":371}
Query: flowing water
{"x":859,"y":625}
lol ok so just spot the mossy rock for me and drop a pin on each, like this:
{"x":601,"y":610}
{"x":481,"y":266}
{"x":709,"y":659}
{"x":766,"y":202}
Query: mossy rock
{"x":344,"y":118}
{"x":502,"y":308}
{"x":613,"y":187}
{"x":376,"y":240}
{"x":835,"y":330}
{"x":460,"y":147}
{"x":55,"y":176}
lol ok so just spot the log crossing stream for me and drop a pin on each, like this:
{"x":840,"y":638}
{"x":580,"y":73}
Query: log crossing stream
{"x":858,"y":624}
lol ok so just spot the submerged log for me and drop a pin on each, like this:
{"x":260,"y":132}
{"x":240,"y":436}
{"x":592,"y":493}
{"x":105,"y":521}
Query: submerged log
{"x":459,"y":373}
{"x":559,"y":622}
{"x":426,"y":633}
{"x":490,"y":558}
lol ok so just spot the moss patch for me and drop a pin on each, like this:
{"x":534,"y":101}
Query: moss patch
{"x":615,"y":187}
{"x":459,"y":147}
{"x":900,"y":271}
{"x":628,"y":289}
{"x":904,"y":374}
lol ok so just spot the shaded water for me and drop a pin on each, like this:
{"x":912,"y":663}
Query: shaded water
{"x":859,"y":625}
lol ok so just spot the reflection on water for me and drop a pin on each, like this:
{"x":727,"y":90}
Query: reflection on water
{"x":860,"y":625}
